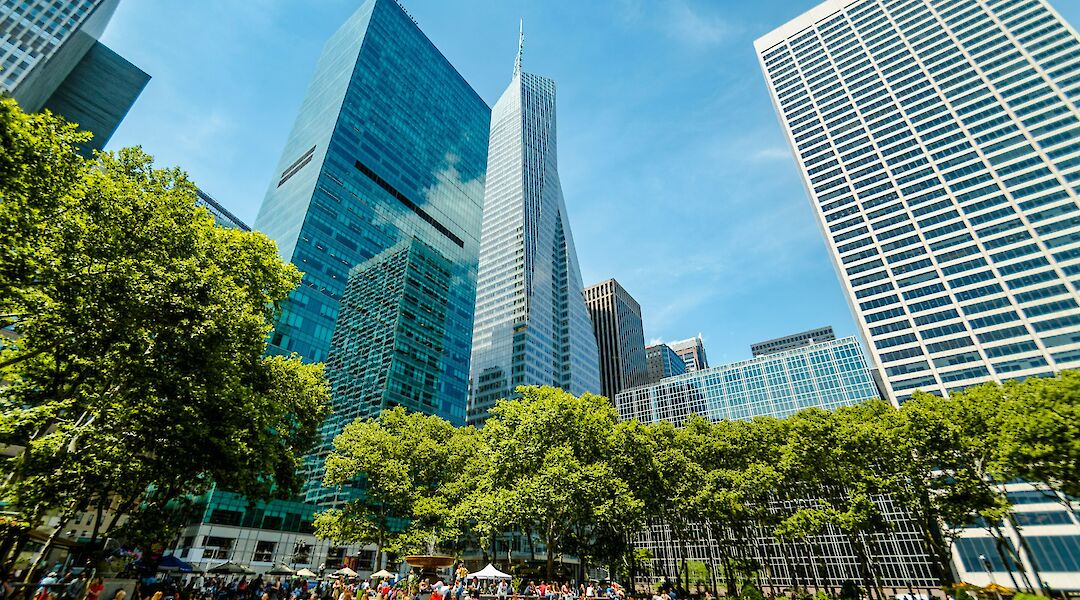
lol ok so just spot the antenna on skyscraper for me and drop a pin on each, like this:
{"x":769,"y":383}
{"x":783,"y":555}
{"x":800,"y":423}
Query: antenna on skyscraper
{"x":521,"y":46}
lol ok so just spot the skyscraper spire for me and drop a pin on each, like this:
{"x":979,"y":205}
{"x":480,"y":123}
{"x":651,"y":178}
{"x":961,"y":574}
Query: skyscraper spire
{"x":521,"y":47}
{"x":531,"y":326}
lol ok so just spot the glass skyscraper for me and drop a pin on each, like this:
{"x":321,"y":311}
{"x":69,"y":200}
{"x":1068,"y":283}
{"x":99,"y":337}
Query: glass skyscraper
{"x":532,"y":327}
{"x":222,"y":216}
{"x":387,"y":349}
{"x":390,"y":146}
{"x":825,"y":375}
{"x":940,"y":144}
{"x":661,"y":361}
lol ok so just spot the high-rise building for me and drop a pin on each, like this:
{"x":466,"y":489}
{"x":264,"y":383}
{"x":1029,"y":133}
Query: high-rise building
{"x":620,"y":338}
{"x":50,"y":58}
{"x":795,"y":340}
{"x":390,"y":145}
{"x":824,"y":375}
{"x":221,"y":214}
{"x":692,"y":353}
{"x":661,"y":361}
{"x":532,"y":327}
{"x":940,"y":144}
{"x":938,"y":140}
{"x":387,"y":349}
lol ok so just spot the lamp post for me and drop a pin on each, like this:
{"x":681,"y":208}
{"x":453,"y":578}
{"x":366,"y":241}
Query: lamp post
{"x":986,"y":565}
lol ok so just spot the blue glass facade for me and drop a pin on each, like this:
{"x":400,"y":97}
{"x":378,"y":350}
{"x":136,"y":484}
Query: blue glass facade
{"x":390,"y":145}
{"x":826,"y":375}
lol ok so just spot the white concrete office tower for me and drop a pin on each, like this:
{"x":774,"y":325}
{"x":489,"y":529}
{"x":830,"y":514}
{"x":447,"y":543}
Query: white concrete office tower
{"x":532,"y":327}
{"x":940,"y":144}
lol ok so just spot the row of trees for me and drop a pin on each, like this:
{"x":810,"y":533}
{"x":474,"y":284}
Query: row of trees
{"x":132,"y":339}
{"x":564,"y":470}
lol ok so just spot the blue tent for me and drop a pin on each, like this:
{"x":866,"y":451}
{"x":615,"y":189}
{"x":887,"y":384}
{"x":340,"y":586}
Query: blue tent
{"x":171,"y":563}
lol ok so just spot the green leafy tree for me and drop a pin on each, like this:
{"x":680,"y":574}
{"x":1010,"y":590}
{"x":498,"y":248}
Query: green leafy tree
{"x":135,"y":367}
{"x":551,"y":455}
{"x":951,"y":448}
{"x":1040,"y":435}
{"x":406,"y":466}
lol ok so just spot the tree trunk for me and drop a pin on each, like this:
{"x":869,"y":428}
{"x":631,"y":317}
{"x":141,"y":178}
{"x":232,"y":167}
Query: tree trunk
{"x":1008,"y":558}
{"x":713,"y":544}
{"x":64,"y":518}
{"x":550,"y":548}
{"x":860,"y":555}
{"x":1035,"y":570}
{"x":935,"y":540}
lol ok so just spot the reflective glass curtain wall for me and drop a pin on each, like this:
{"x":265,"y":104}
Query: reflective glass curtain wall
{"x":390,"y":145}
{"x":532,"y":327}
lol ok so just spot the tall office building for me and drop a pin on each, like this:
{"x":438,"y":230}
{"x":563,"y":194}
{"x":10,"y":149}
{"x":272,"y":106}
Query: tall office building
{"x":940,"y":144}
{"x":616,"y":319}
{"x":532,"y":327}
{"x":692,"y":353}
{"x":387,"y":348}
{"x":825,"y":375}
{"x":795,"y":340}
{"x":389,"y":146}
{"x":50,"y":58}
{"x":221,"y":214}
{"x":661,"y":361}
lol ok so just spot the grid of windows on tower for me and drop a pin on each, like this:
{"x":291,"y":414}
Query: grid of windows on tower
{"x":940,"y":142}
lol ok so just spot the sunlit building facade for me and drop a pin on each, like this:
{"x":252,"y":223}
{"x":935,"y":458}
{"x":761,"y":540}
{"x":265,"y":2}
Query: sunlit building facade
{"x":532,"y":327}
{"x":50,"y":57}
{"x":825,"y":375}
{"x":939,"y":141}
{"x":795,"y":340}
{"x":661,"y":361}
{"x":387,"y":349}
{"x":620,"y":338}
{"x":390,"y":145}
{"x":692,"y":353}
{"x":940,"y":144}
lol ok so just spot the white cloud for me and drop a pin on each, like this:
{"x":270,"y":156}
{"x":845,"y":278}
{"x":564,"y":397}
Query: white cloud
{"x":771,"y":153}
{"x":697,"y":28}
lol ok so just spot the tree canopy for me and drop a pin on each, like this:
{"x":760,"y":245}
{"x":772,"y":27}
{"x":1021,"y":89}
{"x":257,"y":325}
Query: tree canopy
{"x":135,"y":332}
{"x":564,"y":472}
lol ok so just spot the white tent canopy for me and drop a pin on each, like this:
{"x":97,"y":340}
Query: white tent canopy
{"x":488,"y":572}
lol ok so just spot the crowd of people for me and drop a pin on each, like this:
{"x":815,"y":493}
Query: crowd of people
{"x":82,"y":586}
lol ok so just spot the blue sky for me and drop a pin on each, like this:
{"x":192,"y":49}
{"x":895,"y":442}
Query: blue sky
{"x":676,"y":174}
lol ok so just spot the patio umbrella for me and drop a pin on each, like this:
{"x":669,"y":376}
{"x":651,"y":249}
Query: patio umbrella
{"x":280,"y":569}
{"x":305,"y":573}
{"x":346,"y":571}
{"x":382,"y":574}
{"x":171,"y":563}
{"x":230,"y":568}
